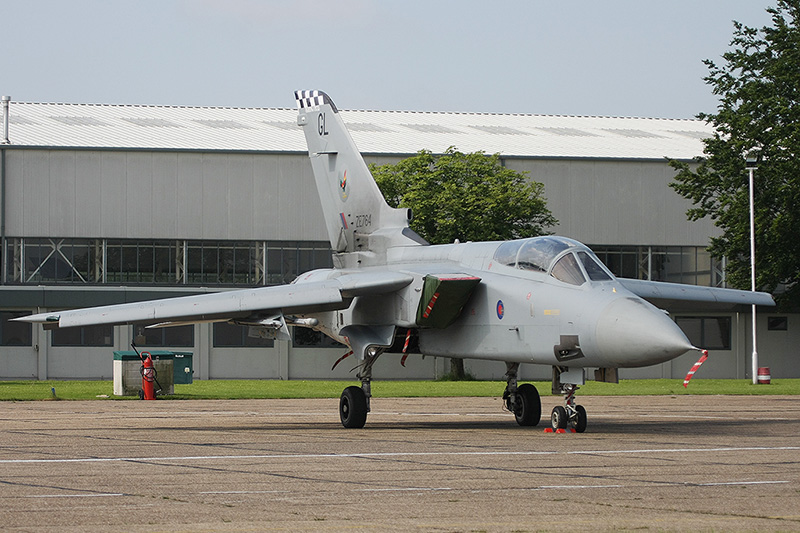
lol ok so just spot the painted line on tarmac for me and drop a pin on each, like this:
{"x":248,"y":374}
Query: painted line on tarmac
{"x":113,"y":495}
{"x":686,"y":450}
{"x":245,"y":492}
{"x":390,"y":454}
{"x":264,"y":456}
{"x":426,"y":489}
{"x":739,"y":483}
{"x":548,"y":487}
{"x":408,"y":489}
{"x":708,"y":417}
{"x":535,"y":488}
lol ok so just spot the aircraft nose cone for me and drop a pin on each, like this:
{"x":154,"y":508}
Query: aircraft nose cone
{"x":631,"y":332}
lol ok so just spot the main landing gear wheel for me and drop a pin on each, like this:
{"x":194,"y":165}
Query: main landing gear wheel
{"x":522,"y":400}
{"x":353,"y":407}
{"x":528,"y":406}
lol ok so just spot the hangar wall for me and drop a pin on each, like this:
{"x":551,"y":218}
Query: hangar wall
{"x":243,"y":196}
{"x":621,"y":202}
{"x":161,"y":195}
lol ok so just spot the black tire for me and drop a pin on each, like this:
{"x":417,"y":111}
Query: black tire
{"x":353,"y":407}
{"x":528,"y":408}
{"x":580,"y":422}
{"x":558,"y":418}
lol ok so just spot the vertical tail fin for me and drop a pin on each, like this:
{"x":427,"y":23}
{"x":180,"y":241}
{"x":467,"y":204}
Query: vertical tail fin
{"x":353,"y":206}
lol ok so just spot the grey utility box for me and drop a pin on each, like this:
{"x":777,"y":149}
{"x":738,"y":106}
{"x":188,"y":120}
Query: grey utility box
{"x":128,"y":376}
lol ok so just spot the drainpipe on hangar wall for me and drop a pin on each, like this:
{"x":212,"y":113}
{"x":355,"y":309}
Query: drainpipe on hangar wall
{"x":3,"y":145}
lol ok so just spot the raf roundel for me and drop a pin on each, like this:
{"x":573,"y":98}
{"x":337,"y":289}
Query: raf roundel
{"x":501,"y":309}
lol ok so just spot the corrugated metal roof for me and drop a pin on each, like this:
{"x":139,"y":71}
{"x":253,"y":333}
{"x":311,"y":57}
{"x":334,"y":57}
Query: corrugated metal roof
{"x":384,"y":132}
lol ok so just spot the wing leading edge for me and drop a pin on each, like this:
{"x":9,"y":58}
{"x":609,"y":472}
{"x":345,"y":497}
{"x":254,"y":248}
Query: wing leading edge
{"x":300,"y":298}
{"x":713,"y":298}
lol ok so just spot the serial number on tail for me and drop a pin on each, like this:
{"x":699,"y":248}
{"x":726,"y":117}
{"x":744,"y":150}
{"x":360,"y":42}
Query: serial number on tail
{"x":363,"y":221}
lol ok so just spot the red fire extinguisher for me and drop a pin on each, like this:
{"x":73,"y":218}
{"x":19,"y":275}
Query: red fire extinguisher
{"x":148,"y":377}
{"x":149,"y":380}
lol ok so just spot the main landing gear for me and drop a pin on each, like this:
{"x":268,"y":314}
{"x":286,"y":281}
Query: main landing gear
{"x":522,"y":400}
{"x":566,"y":381}
{"x":354,"y":402}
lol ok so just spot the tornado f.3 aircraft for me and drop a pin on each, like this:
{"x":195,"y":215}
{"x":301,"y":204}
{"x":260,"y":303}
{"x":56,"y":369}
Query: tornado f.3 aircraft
{"x":543,"y":300}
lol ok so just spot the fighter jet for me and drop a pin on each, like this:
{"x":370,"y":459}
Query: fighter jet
{"x":544,"y":300}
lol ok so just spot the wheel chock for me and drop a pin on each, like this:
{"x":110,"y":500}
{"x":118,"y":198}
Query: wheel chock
{"x":548,"y":430}
{"x":560,"y":430}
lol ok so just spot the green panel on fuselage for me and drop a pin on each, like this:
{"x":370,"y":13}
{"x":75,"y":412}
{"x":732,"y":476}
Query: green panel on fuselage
{"x":443,"y":298}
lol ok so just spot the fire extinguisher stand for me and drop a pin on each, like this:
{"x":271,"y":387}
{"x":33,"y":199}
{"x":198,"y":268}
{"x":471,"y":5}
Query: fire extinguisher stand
{"x":149,"y":381}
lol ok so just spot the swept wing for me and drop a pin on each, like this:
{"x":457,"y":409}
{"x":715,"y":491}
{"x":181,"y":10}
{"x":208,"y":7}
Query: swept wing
{"x":671,"y":295}
{"x":300,"y":297}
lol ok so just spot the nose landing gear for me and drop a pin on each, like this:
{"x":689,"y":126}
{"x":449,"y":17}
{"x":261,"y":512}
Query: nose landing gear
{"x":569,"y":414}
{"x":566,"y":381}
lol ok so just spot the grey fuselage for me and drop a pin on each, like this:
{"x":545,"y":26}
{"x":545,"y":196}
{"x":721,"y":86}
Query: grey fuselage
{"x":514,"y":314}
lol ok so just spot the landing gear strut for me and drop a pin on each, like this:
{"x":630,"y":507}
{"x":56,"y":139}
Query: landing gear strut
{"x":566,"y":381}
{"x":522,"y":400}
{"x":354,"y":402}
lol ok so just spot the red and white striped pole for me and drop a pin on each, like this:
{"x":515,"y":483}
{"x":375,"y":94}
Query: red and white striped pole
{"x":695,"y":367}
{"x":405,"y":348}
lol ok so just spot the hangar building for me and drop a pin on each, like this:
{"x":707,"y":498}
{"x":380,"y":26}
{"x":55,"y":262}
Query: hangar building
{"x":107,"y":204}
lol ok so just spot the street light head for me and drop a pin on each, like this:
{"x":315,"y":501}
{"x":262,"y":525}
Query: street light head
{"x":751,"y":162}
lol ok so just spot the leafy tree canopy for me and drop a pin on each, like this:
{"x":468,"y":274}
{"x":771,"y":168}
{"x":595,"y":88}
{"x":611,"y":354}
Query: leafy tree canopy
{"x":470,"y":197}
{"x":758,"y":117}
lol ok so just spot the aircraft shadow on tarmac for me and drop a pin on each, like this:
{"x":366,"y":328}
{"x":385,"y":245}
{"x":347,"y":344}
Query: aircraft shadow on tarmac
{"x":673,"y":427}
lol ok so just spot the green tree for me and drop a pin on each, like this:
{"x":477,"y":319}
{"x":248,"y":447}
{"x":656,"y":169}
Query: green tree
{"x":469,"y":197}
{"x":758,"y":117}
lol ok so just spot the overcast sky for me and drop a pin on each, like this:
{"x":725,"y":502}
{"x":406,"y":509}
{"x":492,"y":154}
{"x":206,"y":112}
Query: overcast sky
{"x":579,"y":57}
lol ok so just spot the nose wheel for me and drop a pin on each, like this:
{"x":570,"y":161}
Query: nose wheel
{"x":570,"y":414}
{"x":561,"y":418}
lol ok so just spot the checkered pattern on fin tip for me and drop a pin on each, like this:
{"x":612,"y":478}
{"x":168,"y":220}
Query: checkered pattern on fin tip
{"x":307,"y":99}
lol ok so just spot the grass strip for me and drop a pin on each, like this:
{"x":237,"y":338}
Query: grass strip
{"x":251,"y":389}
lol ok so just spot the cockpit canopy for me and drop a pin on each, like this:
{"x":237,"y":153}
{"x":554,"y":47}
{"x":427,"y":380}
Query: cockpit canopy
{"x":564,"y":259}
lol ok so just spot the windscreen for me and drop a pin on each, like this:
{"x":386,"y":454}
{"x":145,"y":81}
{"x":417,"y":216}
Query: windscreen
{"x":567,"y":270}
{"x":593,"y":268}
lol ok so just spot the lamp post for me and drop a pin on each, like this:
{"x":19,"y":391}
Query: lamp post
{"x":751,"y":167}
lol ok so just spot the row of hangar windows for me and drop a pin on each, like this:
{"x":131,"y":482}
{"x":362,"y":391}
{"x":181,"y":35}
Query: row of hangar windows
{"x":692,"y":265}
{"x":159,"y":262}
{"x":250,"y":263}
